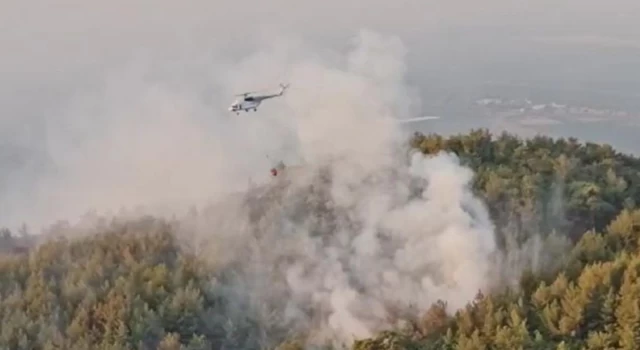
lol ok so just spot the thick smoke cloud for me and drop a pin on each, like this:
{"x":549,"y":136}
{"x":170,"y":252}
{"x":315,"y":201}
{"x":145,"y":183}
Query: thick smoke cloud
{"x":338,"y":259}
{"x":374,"y":253}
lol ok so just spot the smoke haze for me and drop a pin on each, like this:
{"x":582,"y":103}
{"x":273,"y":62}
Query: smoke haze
{"x":76,"y":75}
{"x":384,"y":234}
{"x":333,"y":259}
{"x":114,"y":105}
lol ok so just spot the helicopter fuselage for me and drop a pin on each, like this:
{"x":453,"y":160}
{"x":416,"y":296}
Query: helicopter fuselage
{"x":244,"y":105}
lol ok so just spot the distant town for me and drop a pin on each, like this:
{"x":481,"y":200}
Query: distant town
{"x":526,"y":105}
{"x":547,"y":113}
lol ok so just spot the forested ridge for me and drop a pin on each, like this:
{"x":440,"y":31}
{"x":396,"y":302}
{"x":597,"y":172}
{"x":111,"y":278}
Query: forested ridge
{"x":133,"y":285}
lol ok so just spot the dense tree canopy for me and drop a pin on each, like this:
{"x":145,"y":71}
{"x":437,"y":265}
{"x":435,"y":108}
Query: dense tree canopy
{"x":543,"y":184}
{"x":133,"y":286}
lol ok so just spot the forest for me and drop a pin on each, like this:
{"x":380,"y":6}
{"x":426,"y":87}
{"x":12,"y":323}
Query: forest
{"x":132,"y":285}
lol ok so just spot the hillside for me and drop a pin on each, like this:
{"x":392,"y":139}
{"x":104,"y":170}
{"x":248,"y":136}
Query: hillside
{"x":553,"y":257}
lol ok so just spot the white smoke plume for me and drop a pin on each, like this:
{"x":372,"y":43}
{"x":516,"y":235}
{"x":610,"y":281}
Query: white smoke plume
{"x":331,"y":259}
{"x":336,"y":258}
{"x":339,"y":260}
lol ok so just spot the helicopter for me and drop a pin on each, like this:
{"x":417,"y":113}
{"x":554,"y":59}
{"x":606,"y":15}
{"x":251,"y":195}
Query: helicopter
{"x":247,"y":102}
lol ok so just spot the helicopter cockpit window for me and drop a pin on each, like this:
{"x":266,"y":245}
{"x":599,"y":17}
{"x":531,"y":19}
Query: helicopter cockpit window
{"x":249,"y":98}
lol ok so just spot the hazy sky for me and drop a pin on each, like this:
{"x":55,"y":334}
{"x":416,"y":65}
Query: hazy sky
{"x":51,"y":48}
{"x":66,"y":64}
{"x":49,"y":40}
